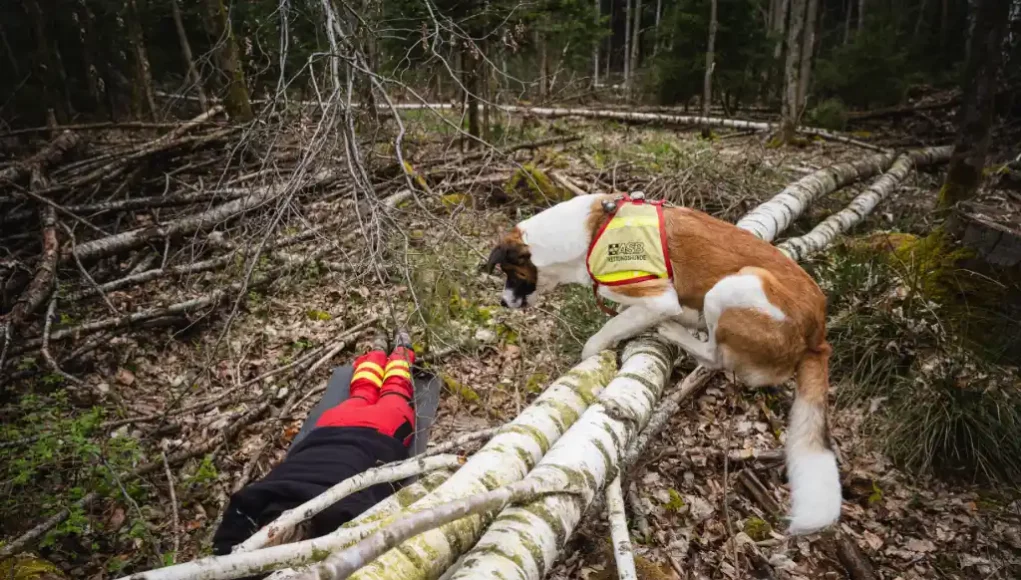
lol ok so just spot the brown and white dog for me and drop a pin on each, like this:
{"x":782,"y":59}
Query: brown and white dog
{"x":764,"y":315}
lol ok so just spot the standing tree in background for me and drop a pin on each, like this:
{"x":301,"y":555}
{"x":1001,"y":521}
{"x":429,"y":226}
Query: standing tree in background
{"x":595,"y":46}
{"x":627,"y":47}
{"x":636,"y":41}
{"x":985,"y":52}
{"x":807,"y":50}
{"x":789,"y":112}
{"x":143,"y":100}
{"x":89,"y":49}
{"x":779,"y":26}
{"x":189,"y":60}
{"x":47,"y":63}
{"x":236,"y":100}
{"x":710,"y":64}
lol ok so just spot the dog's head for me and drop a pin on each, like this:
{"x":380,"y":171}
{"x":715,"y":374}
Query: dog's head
{"x":515,"y":261}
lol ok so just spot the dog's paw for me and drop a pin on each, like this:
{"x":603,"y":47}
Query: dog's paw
{"x":592,"y":348}
{"x":671,"y":331}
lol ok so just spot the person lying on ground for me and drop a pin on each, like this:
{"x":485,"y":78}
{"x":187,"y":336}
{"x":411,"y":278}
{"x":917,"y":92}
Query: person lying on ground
{"x":373,"y":426}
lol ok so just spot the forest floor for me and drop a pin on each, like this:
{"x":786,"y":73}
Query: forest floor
{"x":699,"y":519}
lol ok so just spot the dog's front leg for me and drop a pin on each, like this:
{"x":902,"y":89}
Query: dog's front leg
{"x":626,"y":324}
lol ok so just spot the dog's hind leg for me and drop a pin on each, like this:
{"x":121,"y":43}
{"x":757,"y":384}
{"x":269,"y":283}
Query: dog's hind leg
{"x":704,"y":352}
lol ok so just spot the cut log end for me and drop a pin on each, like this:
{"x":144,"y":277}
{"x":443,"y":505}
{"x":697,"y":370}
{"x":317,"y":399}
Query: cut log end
{"x":988,"y":231}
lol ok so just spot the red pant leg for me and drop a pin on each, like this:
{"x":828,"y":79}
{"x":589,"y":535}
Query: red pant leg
{"x":368,"y":376}
{"x":346,"y":414}
{"x":390,"y":414}
{"x":397,"y":378}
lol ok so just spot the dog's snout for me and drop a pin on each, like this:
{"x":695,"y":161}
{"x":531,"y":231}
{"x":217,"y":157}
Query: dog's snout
{"x":503,"y":302}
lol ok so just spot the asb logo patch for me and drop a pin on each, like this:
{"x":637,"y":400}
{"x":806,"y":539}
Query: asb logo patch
{"x":625,"y":251}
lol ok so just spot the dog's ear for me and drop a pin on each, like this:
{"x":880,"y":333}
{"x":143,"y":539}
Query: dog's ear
{"x":497,"y":256}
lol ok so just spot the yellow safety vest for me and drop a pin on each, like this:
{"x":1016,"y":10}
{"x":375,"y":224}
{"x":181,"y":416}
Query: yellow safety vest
{"x":631,"y":246}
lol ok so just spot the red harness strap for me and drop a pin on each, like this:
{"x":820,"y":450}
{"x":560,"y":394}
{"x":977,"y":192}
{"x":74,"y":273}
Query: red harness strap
{"x":600,"y":303}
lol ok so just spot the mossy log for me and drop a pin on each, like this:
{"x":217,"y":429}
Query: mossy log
{"x":524,"y":541}
{"x":776,"y":215}
{"x":683,"y":120}
{"x":824,"y":234}
{"x":507,"y":458}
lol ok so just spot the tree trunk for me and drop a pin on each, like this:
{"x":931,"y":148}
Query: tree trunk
{"x":710,"y":63}
{"x":189,"y":60}
{"x":944,"y":23}
{"x":807,"y":51}
{"x":540,"y":41}
{"x":471,"y":87}
{"x":636,"y":41}
{"x":9,"y":52}
{"x":659,"y":17}
{"x":919,"y":22}
{"x":977,"y":106}
{"x":861,"y":16}
{"x":627,"y":45}
{"x":848,"y":5}
{"x":236,"y":100}
{"x":143,"y":100}
{"x":780,"y":27}
{"x":45,"y":62}
{"x":86,"y":24}
{"x":789,"y":122}
{"x":595,"y":47}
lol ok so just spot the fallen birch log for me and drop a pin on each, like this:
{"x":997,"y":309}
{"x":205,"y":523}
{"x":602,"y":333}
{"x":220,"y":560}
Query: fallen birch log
{"x":383,"y":474}
{"x":296,"y":554}
{"x":826,"y":232}
{"x":506,"y":458}
{"x":524,"y":541}
{"x":47,"y":156}
{"x":771,"y":218}
{"x":686,"y":120}
{"x":774,"y":216}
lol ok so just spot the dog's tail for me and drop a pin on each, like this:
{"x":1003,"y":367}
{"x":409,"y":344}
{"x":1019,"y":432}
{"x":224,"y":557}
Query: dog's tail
{"x":811,"y":465}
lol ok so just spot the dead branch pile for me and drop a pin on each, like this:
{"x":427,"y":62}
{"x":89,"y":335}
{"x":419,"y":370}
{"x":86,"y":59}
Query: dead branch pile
{"x":95,"y":215}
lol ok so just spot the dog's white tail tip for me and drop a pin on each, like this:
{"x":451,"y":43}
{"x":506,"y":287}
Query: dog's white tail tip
{"x":815,"y":490}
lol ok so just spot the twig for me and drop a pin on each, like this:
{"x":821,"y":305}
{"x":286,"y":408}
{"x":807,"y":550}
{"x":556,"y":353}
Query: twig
{"x":853,"y":559}
{"x":42,"y":283}
{"x":48,"y":524}
{"x":45,"y":349}
{"x":638,"y":513}
{"x":247,"y":564}
{"x":35,"y":533}
{"x":566,"y":183}
{"x":623,"y":552}
{"x":297,"y":363}
{"x":173,"y":506}
{"x":85,"y":273}
{"x":7,"y":342}
{"x":462,"y":441}
{"x":384,"y":474}
{"x":758,"y":492}
{"x":50,"y":154}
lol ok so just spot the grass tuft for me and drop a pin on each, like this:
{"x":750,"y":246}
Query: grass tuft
{"x":904,"y":325}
